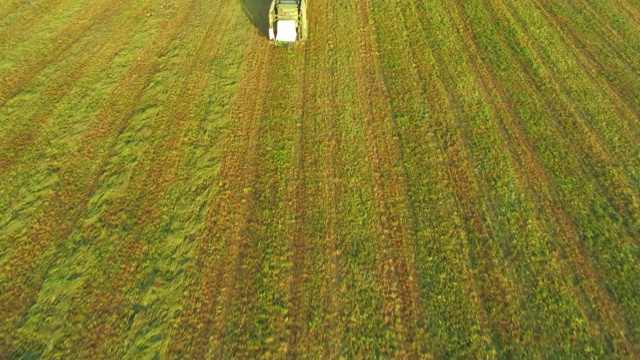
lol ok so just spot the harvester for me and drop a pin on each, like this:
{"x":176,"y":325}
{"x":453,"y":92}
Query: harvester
{"x":288,"y":22}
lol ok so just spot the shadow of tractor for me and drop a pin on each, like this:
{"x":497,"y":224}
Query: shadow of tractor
{"x":257,"y":11}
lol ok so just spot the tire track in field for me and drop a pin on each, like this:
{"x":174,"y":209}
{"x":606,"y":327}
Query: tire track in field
{"x":505,"y":317}
{"x":301,"y":244}
{"x":607,"y":309}
{"x":608,"y":35}
{"x":55,"y":222}
{"x":594,"y":70}
{"x":625,"y":201}
{"x":583,"y":48}
{"x":15,"y":81}
{"x":223,"y":240}
{"x":631,"y":10}
{"x":157,"y":172}
{"x":398,"y":273}
{"x":240,"y":272}
{"x":11,"y":7}
{"x":442,"y":101}
{"x":29,"y":131}
{"x":330,"y":204}
{"x":532,"y":173}
{"x":318,"y":105}
{"x":320,"y":115}
{"x":13,"y":32}
{"x":305,"y":240}
{"x":269,"y":261}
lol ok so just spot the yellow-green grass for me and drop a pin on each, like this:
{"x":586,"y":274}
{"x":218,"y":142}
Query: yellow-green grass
{"x":421,"y":179}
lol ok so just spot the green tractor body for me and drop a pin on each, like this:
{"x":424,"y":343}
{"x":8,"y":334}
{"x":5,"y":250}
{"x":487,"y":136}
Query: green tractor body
{"x":288,"y":22}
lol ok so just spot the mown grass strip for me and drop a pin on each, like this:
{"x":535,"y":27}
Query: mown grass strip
{"x":494,"y":279}
{"x":31,"y":21}
{"x":547,"y":140}
{"x":562,"y":226}
{"x":315,"y":308}
{"x":52,"y":48}
{"x":617,"y":23}
{"x":42,"y":97}
{"x":394,"y":216}
{"x":25,"y":188}
{"x":269,"y":258}
{"x":207,"y":299}
{"x":606,"y":142}
{"x":174,"y":250}
{"x":618,"y":199}
{"x":424,"y":162}
{"x":600,"y":67}
{"x":78,"y":179}
{"x":297,"y":200}
{"x":30,"y":179}
{"x":141,"y":212}
{"x":11,"y":7}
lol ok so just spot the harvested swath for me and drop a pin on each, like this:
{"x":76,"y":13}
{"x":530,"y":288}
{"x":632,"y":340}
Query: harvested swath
{"x":60,"y":85}
{"x":77,"y":182}
{"x":154,"y":173}
{"x":551,"y":206}
{"x":397,"y":271}
{"x":207,"y":301}
{"x":14,"y":81}
{"x":423,"y":179}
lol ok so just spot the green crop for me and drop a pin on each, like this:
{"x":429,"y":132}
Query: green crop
{"x":420,"y":179}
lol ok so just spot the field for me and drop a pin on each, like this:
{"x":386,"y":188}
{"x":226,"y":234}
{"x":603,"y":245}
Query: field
{"x":437,"y":179}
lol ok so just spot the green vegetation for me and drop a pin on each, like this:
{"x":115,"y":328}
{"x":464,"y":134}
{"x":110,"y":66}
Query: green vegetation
{"x":429,"y":179}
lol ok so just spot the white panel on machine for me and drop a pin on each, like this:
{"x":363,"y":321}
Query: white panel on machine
{"x":286,"y":30}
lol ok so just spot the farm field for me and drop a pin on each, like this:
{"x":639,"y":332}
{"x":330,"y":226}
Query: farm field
{"x":421,"y":179}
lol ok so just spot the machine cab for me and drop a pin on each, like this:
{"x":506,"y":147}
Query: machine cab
{"x":288,"y":22}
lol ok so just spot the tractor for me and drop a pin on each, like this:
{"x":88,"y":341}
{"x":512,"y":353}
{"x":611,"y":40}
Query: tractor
{"x":288,"y":22}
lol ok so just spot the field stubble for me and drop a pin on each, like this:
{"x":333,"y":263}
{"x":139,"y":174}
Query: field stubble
{"x":455,"y":179}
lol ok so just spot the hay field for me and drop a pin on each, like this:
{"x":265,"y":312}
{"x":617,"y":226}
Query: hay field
{"x":421,"y":179}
